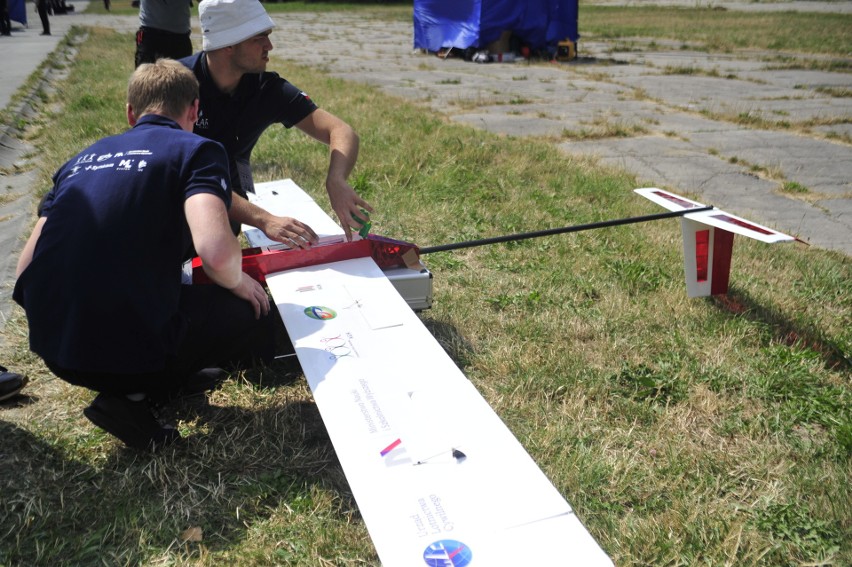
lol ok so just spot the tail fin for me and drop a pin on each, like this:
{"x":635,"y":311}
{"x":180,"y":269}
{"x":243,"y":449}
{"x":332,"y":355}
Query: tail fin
{"x":708,"y":239}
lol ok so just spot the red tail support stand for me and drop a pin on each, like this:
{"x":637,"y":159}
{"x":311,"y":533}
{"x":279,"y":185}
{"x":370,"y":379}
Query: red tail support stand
{"x":258,"y":262}
{"x":706,"y":258}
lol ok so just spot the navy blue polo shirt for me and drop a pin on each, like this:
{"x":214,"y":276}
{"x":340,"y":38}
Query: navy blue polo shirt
{"x":237,"y":120}
{"x":102,"y":291}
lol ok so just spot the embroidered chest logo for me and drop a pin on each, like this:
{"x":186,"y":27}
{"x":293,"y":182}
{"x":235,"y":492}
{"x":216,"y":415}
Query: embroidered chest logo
{"x":202,"y":123}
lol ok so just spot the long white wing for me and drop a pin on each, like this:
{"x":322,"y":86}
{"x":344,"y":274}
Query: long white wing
{"x":438,"y":478}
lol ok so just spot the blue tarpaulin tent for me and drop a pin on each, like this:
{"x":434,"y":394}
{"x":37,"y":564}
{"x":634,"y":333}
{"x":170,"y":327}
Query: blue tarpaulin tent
{"x":476,"y":23}
{"x":18,"y":11}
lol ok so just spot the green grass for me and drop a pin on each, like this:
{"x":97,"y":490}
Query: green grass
{"x":722,"y":30}
{"x":683,"y":432}
{"x":397,"y":9}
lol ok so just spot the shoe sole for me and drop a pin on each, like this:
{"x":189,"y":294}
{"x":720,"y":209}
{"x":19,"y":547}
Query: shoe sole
{"x":16,"y":391}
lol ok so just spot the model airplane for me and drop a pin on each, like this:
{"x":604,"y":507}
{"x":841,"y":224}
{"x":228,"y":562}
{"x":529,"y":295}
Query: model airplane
{"x":708,"y":237}
{"x":438,"y":478}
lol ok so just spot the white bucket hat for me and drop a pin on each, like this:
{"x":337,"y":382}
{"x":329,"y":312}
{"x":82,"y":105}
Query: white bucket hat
{"x":228,"y":22}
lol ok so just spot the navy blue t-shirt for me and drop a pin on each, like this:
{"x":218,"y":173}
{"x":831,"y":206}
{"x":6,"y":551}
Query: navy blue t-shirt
{"x":237,"y":121}
{"x":102,"y":291}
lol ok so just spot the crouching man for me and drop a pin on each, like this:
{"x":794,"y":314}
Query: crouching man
{"x":100,"y":276}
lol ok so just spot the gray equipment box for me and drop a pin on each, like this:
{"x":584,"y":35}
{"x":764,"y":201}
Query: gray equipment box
{"x":414,"y":286}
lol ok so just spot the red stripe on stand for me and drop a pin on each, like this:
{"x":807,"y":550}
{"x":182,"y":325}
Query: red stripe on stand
{"x":723,"y":245}
{"x":702,"y":254}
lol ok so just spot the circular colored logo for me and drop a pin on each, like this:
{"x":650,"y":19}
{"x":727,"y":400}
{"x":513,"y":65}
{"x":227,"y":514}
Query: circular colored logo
{"x":321,"y":313}
{"x":448,"y":553}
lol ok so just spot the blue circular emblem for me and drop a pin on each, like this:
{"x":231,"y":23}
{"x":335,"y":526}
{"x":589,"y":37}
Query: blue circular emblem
{"x":448,"y":553}
{"x":321,"y":313}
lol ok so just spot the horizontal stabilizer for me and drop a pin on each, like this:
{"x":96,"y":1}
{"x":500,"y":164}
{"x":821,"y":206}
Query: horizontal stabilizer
{"x":668,"y":200}
{"x":715,"y":217}
{"x":737,"y":225}
{"x":708,"y":239}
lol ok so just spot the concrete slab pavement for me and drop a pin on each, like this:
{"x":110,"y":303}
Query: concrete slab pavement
{"x":23,"y":77}
{"x":735,"y":129}
{"x":730,"y":128}
{"x":26,"y":49}
{"x":23,"y":54}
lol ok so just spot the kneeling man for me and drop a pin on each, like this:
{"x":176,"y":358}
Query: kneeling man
{"x":100,"y":276}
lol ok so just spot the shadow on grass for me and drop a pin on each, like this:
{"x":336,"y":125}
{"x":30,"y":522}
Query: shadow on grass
{"x":454,"y":344}
{"x":84,"y":499}
{"x":785,"y":330}
{"x":24,"y":398}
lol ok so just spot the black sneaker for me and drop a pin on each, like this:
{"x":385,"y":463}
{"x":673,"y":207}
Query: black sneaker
{"x":11,"y":383}
{"x":137,"y":424}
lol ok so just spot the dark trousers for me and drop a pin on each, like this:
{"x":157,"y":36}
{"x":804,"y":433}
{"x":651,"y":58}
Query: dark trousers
{"x":5,"y":22}
{"x":41,"y":6}
{"x":222,"y":332}
{"x":153,"y":44}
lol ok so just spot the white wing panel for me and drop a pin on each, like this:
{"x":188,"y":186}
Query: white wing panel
{"x":668,"y":200}
{"x":715,"y":217}
{"x":434,"y":470}
{"x":286,"y":199}
{"x":737,"y":225}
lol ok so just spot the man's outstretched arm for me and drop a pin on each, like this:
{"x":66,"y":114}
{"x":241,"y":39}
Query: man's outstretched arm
{"x":343,"y":144}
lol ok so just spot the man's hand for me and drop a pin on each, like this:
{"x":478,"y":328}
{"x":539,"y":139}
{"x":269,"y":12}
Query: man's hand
{"x":343,"y":145}
{"x":254,"y":293}
{"x":347,"y":205}
{"x":289,"y":231}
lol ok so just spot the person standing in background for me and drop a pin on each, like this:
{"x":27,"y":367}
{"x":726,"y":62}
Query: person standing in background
{"x":164,"y":30}
{"x":5,"y":22}
{"x":42,"y":7}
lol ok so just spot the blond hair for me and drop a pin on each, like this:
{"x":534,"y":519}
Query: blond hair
{"x":165,"y":87}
